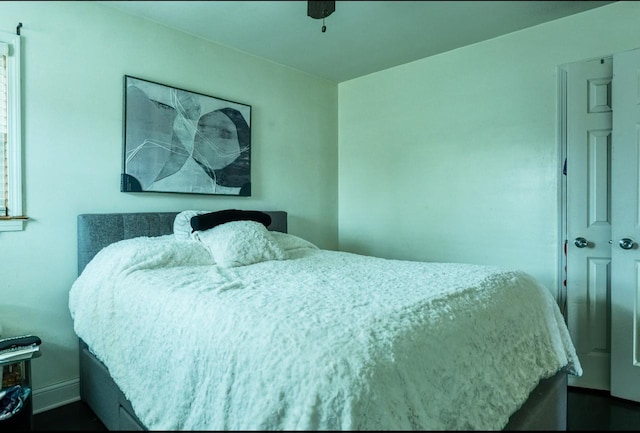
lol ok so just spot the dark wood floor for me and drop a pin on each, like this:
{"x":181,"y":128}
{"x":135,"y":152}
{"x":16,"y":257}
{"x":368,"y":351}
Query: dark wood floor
{"x":73,"y":416}
{"x":587,"y":410}
{"x":597,"y":410}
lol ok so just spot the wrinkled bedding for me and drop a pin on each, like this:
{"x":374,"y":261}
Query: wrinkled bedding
{"x":319,"y":340}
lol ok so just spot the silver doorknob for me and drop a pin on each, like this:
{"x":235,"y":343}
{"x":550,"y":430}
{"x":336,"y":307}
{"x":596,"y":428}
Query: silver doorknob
{"x":581,"y":242}
{"x":626,"y":243}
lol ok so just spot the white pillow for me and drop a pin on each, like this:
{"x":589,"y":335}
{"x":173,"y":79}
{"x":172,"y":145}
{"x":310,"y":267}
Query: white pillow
{"x":182,"y":223}
{"x":239,"y":243}
{"x":289,"y":242}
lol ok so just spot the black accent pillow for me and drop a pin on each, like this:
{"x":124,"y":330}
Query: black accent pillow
{"x":209,"y":220}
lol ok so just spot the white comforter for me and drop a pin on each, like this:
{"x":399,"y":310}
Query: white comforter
{"x":322,"y":340}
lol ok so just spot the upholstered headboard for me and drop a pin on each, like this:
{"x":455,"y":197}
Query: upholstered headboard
{"x":96,"y":231}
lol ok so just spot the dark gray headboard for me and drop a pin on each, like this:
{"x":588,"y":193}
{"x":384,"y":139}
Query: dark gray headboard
{"x":96,"y":231}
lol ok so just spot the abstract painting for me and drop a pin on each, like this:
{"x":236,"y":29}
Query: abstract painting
{"x":184,"y":142}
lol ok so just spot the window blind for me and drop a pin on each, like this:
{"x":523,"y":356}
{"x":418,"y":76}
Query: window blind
{"x":4,"y":108}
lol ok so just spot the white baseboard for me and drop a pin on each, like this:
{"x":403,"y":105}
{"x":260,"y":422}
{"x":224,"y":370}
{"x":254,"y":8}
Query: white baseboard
{"x":56,"y":395}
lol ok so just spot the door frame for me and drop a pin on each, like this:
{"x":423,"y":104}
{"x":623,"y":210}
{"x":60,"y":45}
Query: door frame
{"x":562,"y":190}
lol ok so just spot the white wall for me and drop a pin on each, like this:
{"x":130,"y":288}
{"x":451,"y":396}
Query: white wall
{"x":75,"y":55}
{"x":455,"y":158}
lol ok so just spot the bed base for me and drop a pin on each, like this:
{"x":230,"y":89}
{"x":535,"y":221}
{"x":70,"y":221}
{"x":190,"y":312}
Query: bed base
{"x":545,"y":409}
{"x":99,"y":391}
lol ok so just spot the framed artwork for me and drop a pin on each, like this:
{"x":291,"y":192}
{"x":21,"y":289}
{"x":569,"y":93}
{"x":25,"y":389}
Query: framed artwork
{"x":184,"y":142}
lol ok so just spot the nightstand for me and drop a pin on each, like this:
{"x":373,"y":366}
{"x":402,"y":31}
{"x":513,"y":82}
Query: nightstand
{"x":18,"y":372}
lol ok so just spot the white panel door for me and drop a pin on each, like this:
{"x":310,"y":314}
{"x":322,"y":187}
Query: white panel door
{"x":625,"y":206}
{"x":588,"y":217}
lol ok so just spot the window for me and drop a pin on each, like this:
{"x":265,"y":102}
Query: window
{"x":11,"y":217}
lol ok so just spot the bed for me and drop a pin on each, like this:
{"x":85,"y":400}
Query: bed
{"x":461,"y":356}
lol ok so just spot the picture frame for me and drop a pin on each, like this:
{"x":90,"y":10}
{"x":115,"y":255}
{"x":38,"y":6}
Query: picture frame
{"x":180,"y":141}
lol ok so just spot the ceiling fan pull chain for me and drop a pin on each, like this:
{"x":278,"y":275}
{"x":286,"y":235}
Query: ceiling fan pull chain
{"x":324,"y":28}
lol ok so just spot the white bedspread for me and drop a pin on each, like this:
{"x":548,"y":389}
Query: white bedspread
{"x":323,"y":340}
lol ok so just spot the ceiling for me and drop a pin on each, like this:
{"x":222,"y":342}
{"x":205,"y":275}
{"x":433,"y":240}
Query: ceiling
{"x":362,"y":37}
